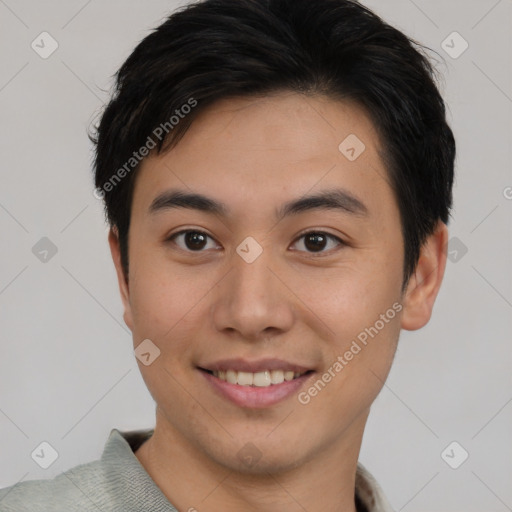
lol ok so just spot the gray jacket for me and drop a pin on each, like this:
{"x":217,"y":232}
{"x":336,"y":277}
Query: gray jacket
{"x":119,"y":483}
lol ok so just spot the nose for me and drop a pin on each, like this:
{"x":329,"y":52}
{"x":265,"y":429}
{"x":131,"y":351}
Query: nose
{"x":253,"y":302}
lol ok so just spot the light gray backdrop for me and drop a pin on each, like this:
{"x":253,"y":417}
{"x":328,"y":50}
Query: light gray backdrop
{"x":67,"y":370}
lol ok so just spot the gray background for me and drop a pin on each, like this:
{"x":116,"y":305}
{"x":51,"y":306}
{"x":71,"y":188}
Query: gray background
{"x":67,"y":370}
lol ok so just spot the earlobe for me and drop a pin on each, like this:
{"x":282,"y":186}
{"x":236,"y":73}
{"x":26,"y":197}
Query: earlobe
{"x":424,"y":284}
{"x":115,"y":250}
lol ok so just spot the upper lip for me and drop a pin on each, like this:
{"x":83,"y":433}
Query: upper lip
{"x":260,"y":365}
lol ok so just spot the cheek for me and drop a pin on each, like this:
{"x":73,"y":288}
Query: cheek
{"x":158,"y":299}
{"x":353,"y":299}
{"x":362,"y":310}
{"x":357,"y":362}
{"x":165,"y":310}
{"x":168,"y":304}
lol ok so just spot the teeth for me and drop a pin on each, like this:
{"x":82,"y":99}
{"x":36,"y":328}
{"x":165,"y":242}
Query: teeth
{"x":245,"y":378}
{"x":276,"y":376}
{"x":262,"y":379}
{"x":259,"y":379}
{"x":231,"y":376}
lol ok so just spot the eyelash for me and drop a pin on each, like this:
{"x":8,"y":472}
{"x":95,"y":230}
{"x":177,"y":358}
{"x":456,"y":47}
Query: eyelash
{"x":314,"y":254}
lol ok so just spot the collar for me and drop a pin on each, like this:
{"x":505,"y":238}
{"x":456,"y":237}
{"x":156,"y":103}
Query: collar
{"x":119,"y":451}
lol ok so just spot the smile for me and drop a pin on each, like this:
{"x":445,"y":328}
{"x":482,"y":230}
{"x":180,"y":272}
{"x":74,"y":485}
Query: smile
{"x":255,"y":385}
{"x":261,"y":379}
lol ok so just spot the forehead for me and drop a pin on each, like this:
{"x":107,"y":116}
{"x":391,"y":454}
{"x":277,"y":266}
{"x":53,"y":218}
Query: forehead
{"x":268,"y":149}
{"x":308,"y":126}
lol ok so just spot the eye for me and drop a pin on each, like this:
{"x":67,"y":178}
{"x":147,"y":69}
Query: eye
{"x":193,"y":240}
{"x":316,"y":241}
{"x":197,"y":241}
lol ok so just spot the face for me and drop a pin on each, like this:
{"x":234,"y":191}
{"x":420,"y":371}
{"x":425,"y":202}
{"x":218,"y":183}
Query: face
{"x":254,"y":283}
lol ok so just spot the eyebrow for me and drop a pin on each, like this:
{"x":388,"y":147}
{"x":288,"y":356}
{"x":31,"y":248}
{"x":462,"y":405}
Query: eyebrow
{"x":331,"y":199}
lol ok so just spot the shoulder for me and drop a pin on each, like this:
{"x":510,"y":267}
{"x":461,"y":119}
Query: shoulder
{"x":116,"y":482}
{"x":77,"y":489}
{"x":369,"y":492}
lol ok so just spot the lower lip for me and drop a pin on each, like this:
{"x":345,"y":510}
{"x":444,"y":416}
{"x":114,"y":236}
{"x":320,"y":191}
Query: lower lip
{"x":255,"y":397}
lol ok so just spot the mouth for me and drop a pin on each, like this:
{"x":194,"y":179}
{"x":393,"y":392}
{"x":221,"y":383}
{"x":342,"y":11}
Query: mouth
{"x":261,"y":379}
{"x":255,"y":385}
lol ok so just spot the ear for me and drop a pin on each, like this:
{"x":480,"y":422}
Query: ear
{"x":115,"y":250}
{"x":418,"y":299}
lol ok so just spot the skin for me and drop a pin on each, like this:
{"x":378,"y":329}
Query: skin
{"x":292,"y":303}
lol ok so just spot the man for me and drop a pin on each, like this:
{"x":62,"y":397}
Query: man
{"x":277,"y":175}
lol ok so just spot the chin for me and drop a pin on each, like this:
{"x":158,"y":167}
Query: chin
{"x":263,"y":463}
{"x":260,"y":455}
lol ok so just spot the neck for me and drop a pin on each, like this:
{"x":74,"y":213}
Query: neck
{"x":194,"y":482}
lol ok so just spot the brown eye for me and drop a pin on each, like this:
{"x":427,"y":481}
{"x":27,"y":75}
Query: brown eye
{"x":194,"y":241}
{"x":317,"y":241}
